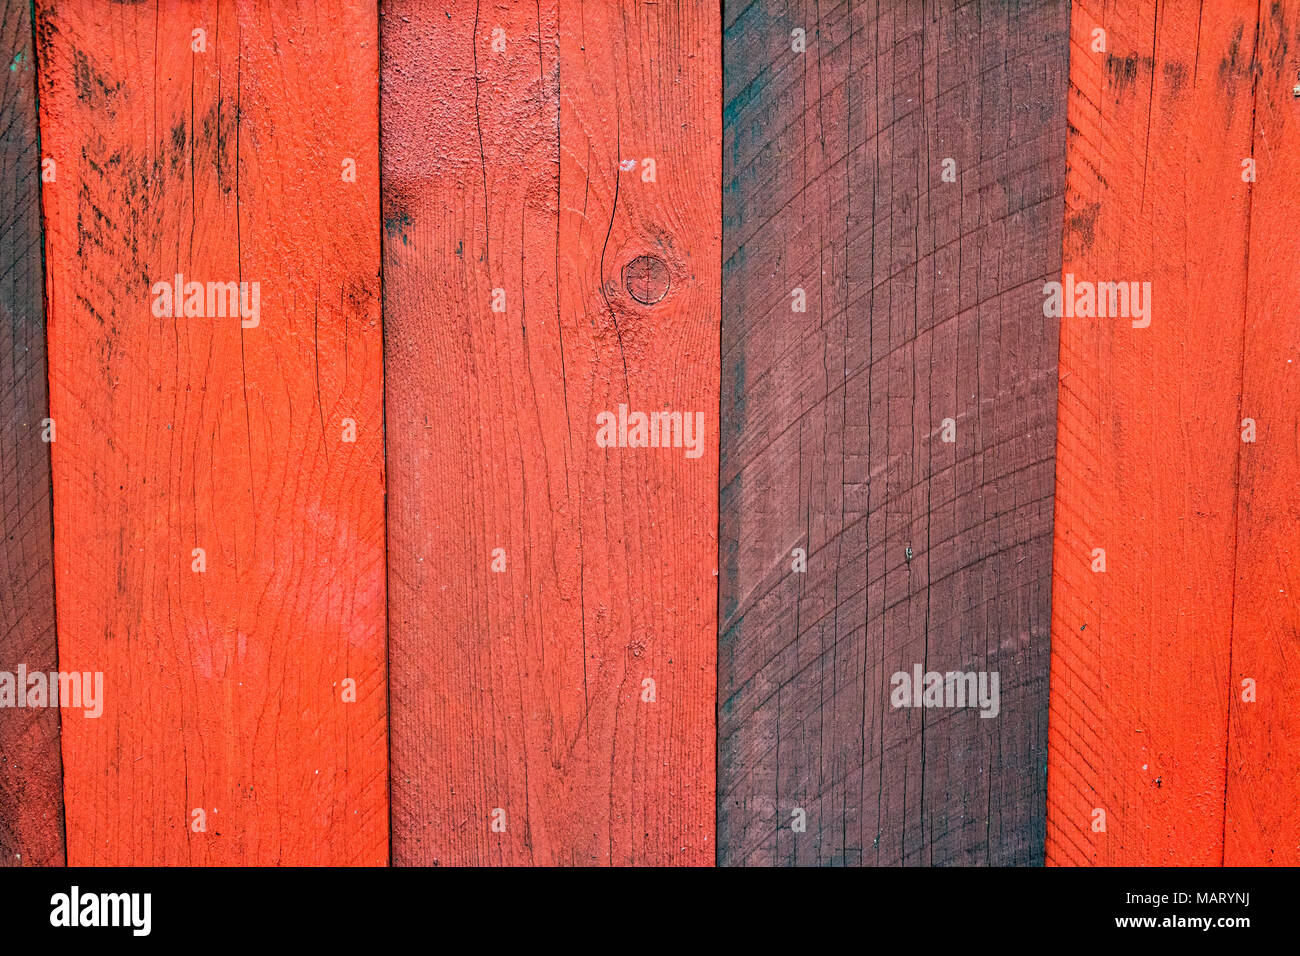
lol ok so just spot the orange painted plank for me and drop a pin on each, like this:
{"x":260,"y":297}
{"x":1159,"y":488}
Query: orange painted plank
{"x":1262,"y":825}
{"x":225,"y":689}
{"x":519,"y":674}
{"x":31,"y":787}
{"x":1149,"y":448}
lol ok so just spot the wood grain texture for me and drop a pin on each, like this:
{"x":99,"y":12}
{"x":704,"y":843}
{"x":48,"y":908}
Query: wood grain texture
{"x":521,"y":689}
{"x":923,"y":304}
{"x":31,"y":787}
{"x":224,"y":690}
{"x":1197,"y":525}
{"x":1261,"y":825}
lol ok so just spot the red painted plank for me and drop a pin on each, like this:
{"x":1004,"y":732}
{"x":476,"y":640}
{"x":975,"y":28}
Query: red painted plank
{"x":225,"y":689}
{"x":31,"y":787}
{"x":1261,"y":825}
{"x":923,"y":307}
{"x":1150,"y":452}
{"x":519,"y":674}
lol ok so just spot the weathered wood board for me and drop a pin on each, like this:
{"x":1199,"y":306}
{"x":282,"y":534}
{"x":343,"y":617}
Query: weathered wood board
{"x":1177,"y":461}
{"x":218,"y":473}
{"x":31,"y":787}
{"x":553,"y":601}
{"x":924,"y":321}
{"x":1261,"y":825}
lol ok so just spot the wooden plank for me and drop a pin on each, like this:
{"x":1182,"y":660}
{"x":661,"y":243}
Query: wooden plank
{"x":1150,"y":449}
{"x":923,"y":303}
{"x":225,"y":691}
{"x":31,"y":785}
{"x":1261,"y":825}
{"x":522,"y":690}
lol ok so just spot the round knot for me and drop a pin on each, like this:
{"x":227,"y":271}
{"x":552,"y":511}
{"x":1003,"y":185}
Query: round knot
{"x":646,"y":279}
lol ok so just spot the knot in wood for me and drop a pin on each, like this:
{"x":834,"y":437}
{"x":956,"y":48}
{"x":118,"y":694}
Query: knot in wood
{"x":646,"y":279}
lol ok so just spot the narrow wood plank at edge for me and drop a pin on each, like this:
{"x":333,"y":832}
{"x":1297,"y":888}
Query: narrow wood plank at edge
{"x":31,"y":774}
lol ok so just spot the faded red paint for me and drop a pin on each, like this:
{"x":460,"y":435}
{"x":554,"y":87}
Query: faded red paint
{"x":520,"y":690}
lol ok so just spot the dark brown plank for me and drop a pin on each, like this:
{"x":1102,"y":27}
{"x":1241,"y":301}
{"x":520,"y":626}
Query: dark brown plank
{"x":535,"y":279}
{"x":31,"y":776}
{"x":924,"y":303}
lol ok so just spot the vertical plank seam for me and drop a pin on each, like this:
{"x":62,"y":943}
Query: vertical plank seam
{"x":717,"y":522}
{"x":1236,"y":483}
{"x":383,"y":413}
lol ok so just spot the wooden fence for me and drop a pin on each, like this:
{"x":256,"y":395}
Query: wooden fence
{"x":630,"y":432}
